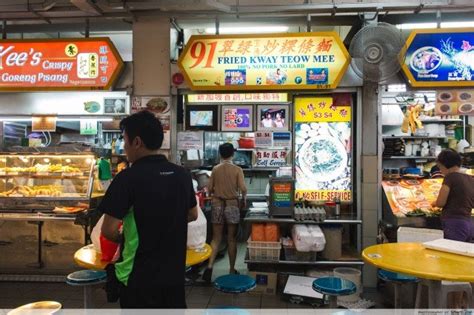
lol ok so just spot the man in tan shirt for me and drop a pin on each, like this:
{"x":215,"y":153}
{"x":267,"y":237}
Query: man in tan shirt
{"x":225,"y":186}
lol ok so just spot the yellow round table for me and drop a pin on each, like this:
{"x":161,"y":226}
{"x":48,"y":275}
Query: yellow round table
{"x":87,"y":257}
{"x":413,"y":259}
{"x":42,"y":307}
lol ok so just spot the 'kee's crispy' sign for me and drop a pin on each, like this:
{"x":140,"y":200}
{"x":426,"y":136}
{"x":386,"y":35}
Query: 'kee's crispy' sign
{"x":58,"y":64}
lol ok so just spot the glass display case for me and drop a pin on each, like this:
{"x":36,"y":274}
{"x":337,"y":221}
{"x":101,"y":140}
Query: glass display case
{"x":60,"y":182}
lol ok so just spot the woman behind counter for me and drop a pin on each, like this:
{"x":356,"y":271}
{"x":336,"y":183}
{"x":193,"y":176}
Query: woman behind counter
{"x":456,"y":197}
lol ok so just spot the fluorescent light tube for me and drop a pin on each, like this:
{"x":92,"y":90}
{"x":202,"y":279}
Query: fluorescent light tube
{"x":248,"y":29}
{"x":457,"y":24}
{"x":409,"y":26}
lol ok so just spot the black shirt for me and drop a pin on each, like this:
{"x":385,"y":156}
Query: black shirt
{"x":153,"y":198}
{"x":460,"y":200}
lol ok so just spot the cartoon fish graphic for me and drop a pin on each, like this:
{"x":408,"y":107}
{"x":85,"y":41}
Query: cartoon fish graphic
{"x":466,"y":46}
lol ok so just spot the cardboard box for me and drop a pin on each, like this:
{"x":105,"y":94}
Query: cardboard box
{"x":266,"y":282}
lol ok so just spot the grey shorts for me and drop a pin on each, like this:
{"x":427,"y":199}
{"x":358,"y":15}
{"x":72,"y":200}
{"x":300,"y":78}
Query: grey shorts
{"x":229,"y":215}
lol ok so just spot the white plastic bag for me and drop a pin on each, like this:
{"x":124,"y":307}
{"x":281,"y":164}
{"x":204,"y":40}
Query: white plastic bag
{"x":308,"y":238}
{"x":197,"y":231}
{"x":95,"y":234}
{"x":95,"y":238}
{"x":301,"y":237}
{"x":319,"y":241}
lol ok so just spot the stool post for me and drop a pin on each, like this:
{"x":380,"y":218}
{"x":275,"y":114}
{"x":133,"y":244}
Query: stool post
{"x":434,"y":291}
{"x":332,"y":301}
{"x":87,"y":297}
{"x":396,"y":287}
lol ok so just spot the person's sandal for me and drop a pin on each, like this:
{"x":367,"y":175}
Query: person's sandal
{"x":207,"y":275}
{"x":235,"y":272}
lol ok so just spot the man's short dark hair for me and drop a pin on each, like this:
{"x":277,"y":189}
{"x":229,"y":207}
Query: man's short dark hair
{"x":449,"y":158}
{"x":226,"y":150}
{"x":146,"y":126}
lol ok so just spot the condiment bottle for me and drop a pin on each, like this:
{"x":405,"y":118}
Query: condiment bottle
{"x":337,"y":210}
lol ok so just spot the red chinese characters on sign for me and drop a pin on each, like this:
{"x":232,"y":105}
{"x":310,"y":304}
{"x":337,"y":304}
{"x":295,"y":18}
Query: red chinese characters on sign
{"x":285,"y":47}
{"x":59,"y":64}
{"x":324,"y":46}
{"x":227,"y":47}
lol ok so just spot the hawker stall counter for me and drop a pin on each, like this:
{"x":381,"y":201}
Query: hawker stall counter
{"x":408,"y":202}
{"x":44,"y":187}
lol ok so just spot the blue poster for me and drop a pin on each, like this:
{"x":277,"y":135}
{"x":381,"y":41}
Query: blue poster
{"x":441,"y":57}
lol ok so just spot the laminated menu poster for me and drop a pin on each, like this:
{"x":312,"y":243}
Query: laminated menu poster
{"x":165,"y":122}
{"x":454,"y":102}
{"x":323,"y":150}
{"x":407,"y":195}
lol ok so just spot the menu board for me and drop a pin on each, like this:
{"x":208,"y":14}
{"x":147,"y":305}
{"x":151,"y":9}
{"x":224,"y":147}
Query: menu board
{"x":323,"y":150}
{"x":407,"y":195}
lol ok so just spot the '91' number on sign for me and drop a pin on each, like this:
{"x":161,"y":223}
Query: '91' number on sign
{"x":198,"y":53}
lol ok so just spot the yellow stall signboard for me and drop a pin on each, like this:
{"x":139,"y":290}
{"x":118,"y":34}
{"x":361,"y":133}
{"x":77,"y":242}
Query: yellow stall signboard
{"x":319,"y":109}
{"x":323,"y":150}
{"x":270,"y":61}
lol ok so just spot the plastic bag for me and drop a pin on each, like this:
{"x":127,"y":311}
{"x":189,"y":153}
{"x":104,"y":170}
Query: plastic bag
{"x":301,"y":237}
{"x":197,"y":231}
{"x":272,"y":232}
{"x":319,"y":241}
{"x":308,"y":238}
{"x":110,"y":250}
{"x":258,"y":232}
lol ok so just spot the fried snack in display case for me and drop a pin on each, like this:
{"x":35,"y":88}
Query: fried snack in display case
{"x":61,"y":183}
{"x":412,"y":197}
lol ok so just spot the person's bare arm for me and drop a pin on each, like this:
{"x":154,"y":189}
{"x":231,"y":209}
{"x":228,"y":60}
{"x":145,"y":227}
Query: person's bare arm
{"x":193,"y":214}
{"x":210,"y":184}
{"x":110,"y":228}
{"x":242,"y":188}
{"x":442,"y":197}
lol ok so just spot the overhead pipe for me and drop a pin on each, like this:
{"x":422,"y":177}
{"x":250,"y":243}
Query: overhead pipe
{"x":4,"y":29}
{"x":86,"y":35}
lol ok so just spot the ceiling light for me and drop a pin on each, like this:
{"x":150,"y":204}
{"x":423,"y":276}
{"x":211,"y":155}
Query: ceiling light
{"x":409,"y":26}
{"x":248,"y":29}
{"x":457,"y":24}
{"x":396,"y":88}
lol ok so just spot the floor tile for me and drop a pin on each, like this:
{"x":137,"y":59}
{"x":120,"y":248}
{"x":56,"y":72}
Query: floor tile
{"x":197,"y":305}
{"x":198,"y":299}
{"x":272,"y":301}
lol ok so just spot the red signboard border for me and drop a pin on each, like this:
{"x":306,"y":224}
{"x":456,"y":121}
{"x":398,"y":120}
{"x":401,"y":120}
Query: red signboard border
{"x":111,"y":82}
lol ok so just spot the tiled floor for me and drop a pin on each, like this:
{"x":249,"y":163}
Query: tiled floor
{"x":14,"y":294}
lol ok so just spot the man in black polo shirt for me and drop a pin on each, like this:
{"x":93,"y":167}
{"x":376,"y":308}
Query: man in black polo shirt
{"x":155,"y":200}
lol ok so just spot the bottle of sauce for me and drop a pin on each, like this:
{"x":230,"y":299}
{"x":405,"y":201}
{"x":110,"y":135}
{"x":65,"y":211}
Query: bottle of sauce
{"x":337,"y":209}
{"x":113,"y":146}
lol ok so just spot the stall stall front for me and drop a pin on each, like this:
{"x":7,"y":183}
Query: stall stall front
{"x":420,"y":120}
{"x":282,"y":110}
{"x":53,"y":170}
